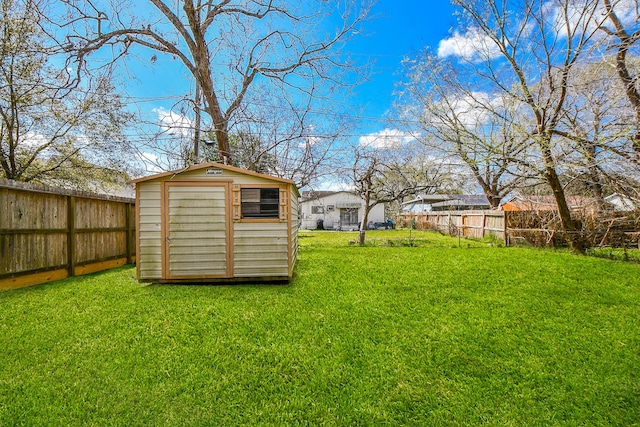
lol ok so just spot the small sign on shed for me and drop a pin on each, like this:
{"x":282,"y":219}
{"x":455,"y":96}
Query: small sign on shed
{"x":214,"y":171}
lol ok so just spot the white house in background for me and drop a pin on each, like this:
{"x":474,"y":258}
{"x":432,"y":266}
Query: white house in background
{"x":622,"y":203}
{"x":335,"y":210}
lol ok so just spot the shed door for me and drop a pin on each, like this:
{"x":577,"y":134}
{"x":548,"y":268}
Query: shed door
{"x":197,"y":231}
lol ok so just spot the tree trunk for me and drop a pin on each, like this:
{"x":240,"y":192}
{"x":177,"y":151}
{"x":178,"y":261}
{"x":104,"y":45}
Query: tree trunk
{"x":363,"y":223}
{"x":202,"y":74}
{"x":595,"y":183}
{"x":220,"y":123}
{"x":629,"y":81}
{"x":569,"y":225}
{"x":489,"y":190}
{"x":365,"y":216}
{"x":632,"y":93}
{"x":491,"y":195}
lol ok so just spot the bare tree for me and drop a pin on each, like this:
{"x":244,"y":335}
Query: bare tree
{"x":527,"y":51}
{"x":230,"y":48}
{"x":596,"y":155}
{"x":624,"y":36}
{"x":269,"y":136}
{"x":51,"y":130}
{"x":476,"y":128}
{"x":283,"y":140}
{"x":386,"y":175}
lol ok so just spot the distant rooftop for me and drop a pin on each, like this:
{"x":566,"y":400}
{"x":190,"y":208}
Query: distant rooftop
{"x":450,"y":199}
{"x":442,"y":202}
{"x":314,"y":195}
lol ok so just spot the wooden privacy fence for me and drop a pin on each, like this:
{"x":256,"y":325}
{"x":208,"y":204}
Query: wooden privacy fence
{"x":48,"y":234}
{"x":472,"y":224}
{"x":537,"y":228}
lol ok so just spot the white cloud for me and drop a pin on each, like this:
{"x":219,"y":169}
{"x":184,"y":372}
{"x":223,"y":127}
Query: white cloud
{"x":387,"y":138}
{"x":333,"y":185}
{"x":310,"y":140}
{"x":475,"y":108}
{"x":30,"y":142}
{"x":173,"y":123}
{"x":626,"y":10}
{"x":575,"y":18}
{"x":150,"y":161}
{"x":475,"y":46}
{"x":472,"y":46}
{"x":33,"y":140}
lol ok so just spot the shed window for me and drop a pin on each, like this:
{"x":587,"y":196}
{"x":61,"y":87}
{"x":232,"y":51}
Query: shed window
{"x":260,"y":202}
{"x":317,"y":210}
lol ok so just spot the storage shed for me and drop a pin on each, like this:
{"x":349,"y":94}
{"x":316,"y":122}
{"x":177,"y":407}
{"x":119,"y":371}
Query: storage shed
{"x":215,"y":223}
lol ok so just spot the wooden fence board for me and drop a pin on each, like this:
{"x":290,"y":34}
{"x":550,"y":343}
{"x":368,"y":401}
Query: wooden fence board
{"x":33,"y":279}
{"x":45,"y":231}
{"x":26,"y":210}
{"x":21,"y":253}
{"x":538,"y":228}
{"x":472,"y":224}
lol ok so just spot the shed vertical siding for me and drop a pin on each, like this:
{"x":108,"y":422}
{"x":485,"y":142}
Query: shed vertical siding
{"x":150,"y":229}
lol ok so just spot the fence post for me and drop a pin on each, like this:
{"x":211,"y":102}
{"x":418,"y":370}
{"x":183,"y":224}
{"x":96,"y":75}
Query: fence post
{"x":128,"y":226}
{"x":71,"y":235}
{"x":464,"y":221}
{"x":506,"y":220}
{"x":484,"y":224}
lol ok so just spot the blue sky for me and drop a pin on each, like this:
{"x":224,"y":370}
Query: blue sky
{"x":401,"y":28}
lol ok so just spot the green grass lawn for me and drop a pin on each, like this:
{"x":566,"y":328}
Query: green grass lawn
{"x":385,"y":334}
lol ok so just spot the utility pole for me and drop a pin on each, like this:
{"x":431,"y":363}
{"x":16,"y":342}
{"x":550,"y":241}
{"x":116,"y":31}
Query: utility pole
{"x":196,"y":133}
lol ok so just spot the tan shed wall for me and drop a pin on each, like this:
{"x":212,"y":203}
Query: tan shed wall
{"x":260,"y":249}
{"x":150,"y":229}
{"x":295,"y":226}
